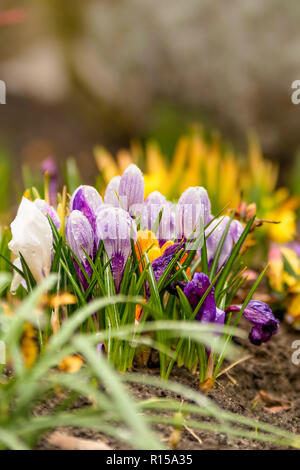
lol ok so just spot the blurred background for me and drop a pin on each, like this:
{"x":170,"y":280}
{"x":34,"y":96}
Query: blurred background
{"x":81,"y":73}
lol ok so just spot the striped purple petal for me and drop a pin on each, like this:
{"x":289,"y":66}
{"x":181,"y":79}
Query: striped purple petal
{"x":112,"y":192}
{"x":131,"y":190}
{"x":155,"y":205}
{"x":116,"y":229}
{"x":194,"y":291}
{"x":193,"y":205}
{"x":80,"y":238}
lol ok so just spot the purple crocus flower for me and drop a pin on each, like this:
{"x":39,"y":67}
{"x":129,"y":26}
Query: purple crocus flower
{"x":192,"y":205}
{"x":131,"y":190}
{"x":155,"y":204}
{"x":115,"y":228}
{"x":259,"y":314}
{"x":161,"y":263}
{"x":49,"y":166}
{"x":48,"y":210}
{"x":194,"y":291}
{"x":295,"y":246}
{"x":80,"y":238}
{"x":214,"y":233}
{"x":87,"y":200}
{"x":112,"y":192}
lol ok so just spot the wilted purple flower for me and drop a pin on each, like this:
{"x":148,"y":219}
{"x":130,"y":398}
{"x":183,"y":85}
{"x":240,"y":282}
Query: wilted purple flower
{"x":112,"y":192}
{"x":193,"y":205}
{"x":87,"y":200}
{"x":48,"y":210}
{"x":155,"y":204}
{"x":115,"y":228}
{"x":214,"y":233}
{"x":131,"y":190}
{"x":49,"y":166}
{"x":80,"y":238}
{"x":259,"y":314}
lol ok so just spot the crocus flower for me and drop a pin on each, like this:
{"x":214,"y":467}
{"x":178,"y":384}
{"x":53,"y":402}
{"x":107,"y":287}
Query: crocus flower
{"x":147,"y":243}
{"x":194,"y":290}
{"x":49,"y":166}
{"x":32,"y":237}
{"x":161,"y":263}
{"x":294,"y":246}
{"x":259,"y":314}
{"x":112,"y":192}
{"x":131,"y":190}
{"x":214,"y":233}
{"x":80,"y":238}
{"x":48,"y":210}
{"x":115,"y":228}
{"x":87,"y":200}
{"x":17,"y":279}
{"x":155,"y":204}
{"x":193,"y":205}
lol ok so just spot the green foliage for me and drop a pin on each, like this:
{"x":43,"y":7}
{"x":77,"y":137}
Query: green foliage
{"x":26,"y":390}
{"x":139,"y":283}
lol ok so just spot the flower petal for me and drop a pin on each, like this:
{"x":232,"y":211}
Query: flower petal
{"x":214,"y":234}
{"x":80,"y":238}
{"x":48,"y":210}
{"x":32,"y":237}
{"x":116,"y":229}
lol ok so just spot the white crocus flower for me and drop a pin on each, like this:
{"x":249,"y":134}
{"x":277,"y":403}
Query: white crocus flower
{"x":32,"y":237}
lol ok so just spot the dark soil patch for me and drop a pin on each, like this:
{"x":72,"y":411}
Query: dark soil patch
{"x":269,"y":369}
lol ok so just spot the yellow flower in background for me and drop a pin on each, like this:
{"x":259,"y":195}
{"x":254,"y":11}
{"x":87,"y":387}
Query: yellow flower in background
{"x":156,"y":174}
{"x":285,"y":231}
{"x":228,"y":177}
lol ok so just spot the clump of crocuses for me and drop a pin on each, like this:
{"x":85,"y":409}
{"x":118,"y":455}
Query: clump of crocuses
{"x":189,"y":255}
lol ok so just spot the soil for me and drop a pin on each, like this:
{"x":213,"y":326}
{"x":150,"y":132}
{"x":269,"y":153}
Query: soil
{"x":269,"y":369}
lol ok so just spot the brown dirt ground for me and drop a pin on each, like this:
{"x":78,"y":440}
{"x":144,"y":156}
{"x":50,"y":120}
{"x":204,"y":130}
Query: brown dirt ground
{"x":269,"y":369}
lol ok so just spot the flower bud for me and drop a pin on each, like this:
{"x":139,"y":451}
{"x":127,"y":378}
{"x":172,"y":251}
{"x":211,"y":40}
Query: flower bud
{"x":87,"y":200}
{"x":116,"y":229}
{"x":32,"y":237}
{"x":80,"y":238}
{"x":131,"y":190}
